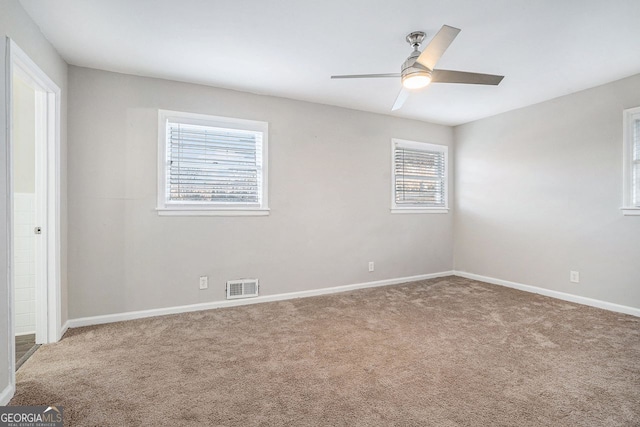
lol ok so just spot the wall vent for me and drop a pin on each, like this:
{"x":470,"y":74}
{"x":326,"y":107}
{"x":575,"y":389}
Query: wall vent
{"x":244,"y":288}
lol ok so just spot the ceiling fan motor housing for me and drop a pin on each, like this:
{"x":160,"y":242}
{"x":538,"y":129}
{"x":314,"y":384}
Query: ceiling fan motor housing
{"x":410,"y":67}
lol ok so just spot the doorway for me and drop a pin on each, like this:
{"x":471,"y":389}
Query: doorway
{"x":34,"y":213}
{"x":26,"y":214}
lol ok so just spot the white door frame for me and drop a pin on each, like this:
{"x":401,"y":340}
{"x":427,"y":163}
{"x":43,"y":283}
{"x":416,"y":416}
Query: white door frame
{"x":48,"y":301}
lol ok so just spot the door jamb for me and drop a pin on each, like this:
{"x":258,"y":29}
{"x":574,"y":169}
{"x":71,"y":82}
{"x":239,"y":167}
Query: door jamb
{"x":50,"y":291}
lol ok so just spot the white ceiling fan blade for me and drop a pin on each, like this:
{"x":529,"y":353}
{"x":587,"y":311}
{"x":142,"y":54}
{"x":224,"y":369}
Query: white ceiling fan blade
{"x":436,"y":48}
{"x":365,"y":76}
{"x":450,"y":76}
{"x":402,"y":96}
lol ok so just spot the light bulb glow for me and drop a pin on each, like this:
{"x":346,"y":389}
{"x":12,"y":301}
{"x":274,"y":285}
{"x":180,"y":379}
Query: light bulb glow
{"x":416,"y":81}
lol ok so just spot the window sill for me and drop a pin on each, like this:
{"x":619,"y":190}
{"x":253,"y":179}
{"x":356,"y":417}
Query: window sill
{"x":420,"y":210}
{"x":212,"y":212}
{"x":630,"y":211}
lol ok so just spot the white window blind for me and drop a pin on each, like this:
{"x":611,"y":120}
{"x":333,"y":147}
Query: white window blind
{"x":631,"y":164}
{"x":419,"y":175}
{"x":635,"y":179}
{"x":213,"y":165}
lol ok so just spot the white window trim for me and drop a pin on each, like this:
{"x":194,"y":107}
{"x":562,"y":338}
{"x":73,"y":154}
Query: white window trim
{"x":422,"y":146}
{"x":629,"y":116}
{"x":195,"y":209}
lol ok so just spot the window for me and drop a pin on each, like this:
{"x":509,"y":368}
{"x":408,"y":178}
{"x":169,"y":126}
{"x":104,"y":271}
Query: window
{"x":631,"y":136}
{"x":419,"y":175}
{"x":211,"y":165}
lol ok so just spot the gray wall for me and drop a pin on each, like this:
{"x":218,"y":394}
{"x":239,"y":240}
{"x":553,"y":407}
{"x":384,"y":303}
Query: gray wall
{"x":539,"y":191}
{"x":15,"y":23}
{"x":329,"y":194}
{"x":24,"y":137}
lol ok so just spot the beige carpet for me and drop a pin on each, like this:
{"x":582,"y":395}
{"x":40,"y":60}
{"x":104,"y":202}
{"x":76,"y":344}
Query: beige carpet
{"x":442,"y":352}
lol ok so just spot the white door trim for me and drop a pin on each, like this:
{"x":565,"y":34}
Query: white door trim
{"x":48,"y":163}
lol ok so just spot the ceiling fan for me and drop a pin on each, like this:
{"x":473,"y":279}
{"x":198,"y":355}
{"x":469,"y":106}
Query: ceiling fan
{"x":418,"y":70}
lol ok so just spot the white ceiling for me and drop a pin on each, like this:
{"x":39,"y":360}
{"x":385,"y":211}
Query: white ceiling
{"x":289,"y":48}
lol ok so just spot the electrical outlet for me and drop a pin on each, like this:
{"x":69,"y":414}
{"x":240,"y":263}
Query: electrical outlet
{"x":574,"y":276}
{"x":371,"y":266}
{"x":204,"y":282}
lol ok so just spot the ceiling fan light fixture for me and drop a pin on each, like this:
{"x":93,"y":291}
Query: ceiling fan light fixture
{"x":416,"y":80}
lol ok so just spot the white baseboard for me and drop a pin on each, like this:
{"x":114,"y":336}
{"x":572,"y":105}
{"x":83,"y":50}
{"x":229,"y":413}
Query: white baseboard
{"x":118,"y":317}
{"x":554,"y":294}
{"x":24,"y":333}
{"x":64,"y":329}
{"x":7,"y":394}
